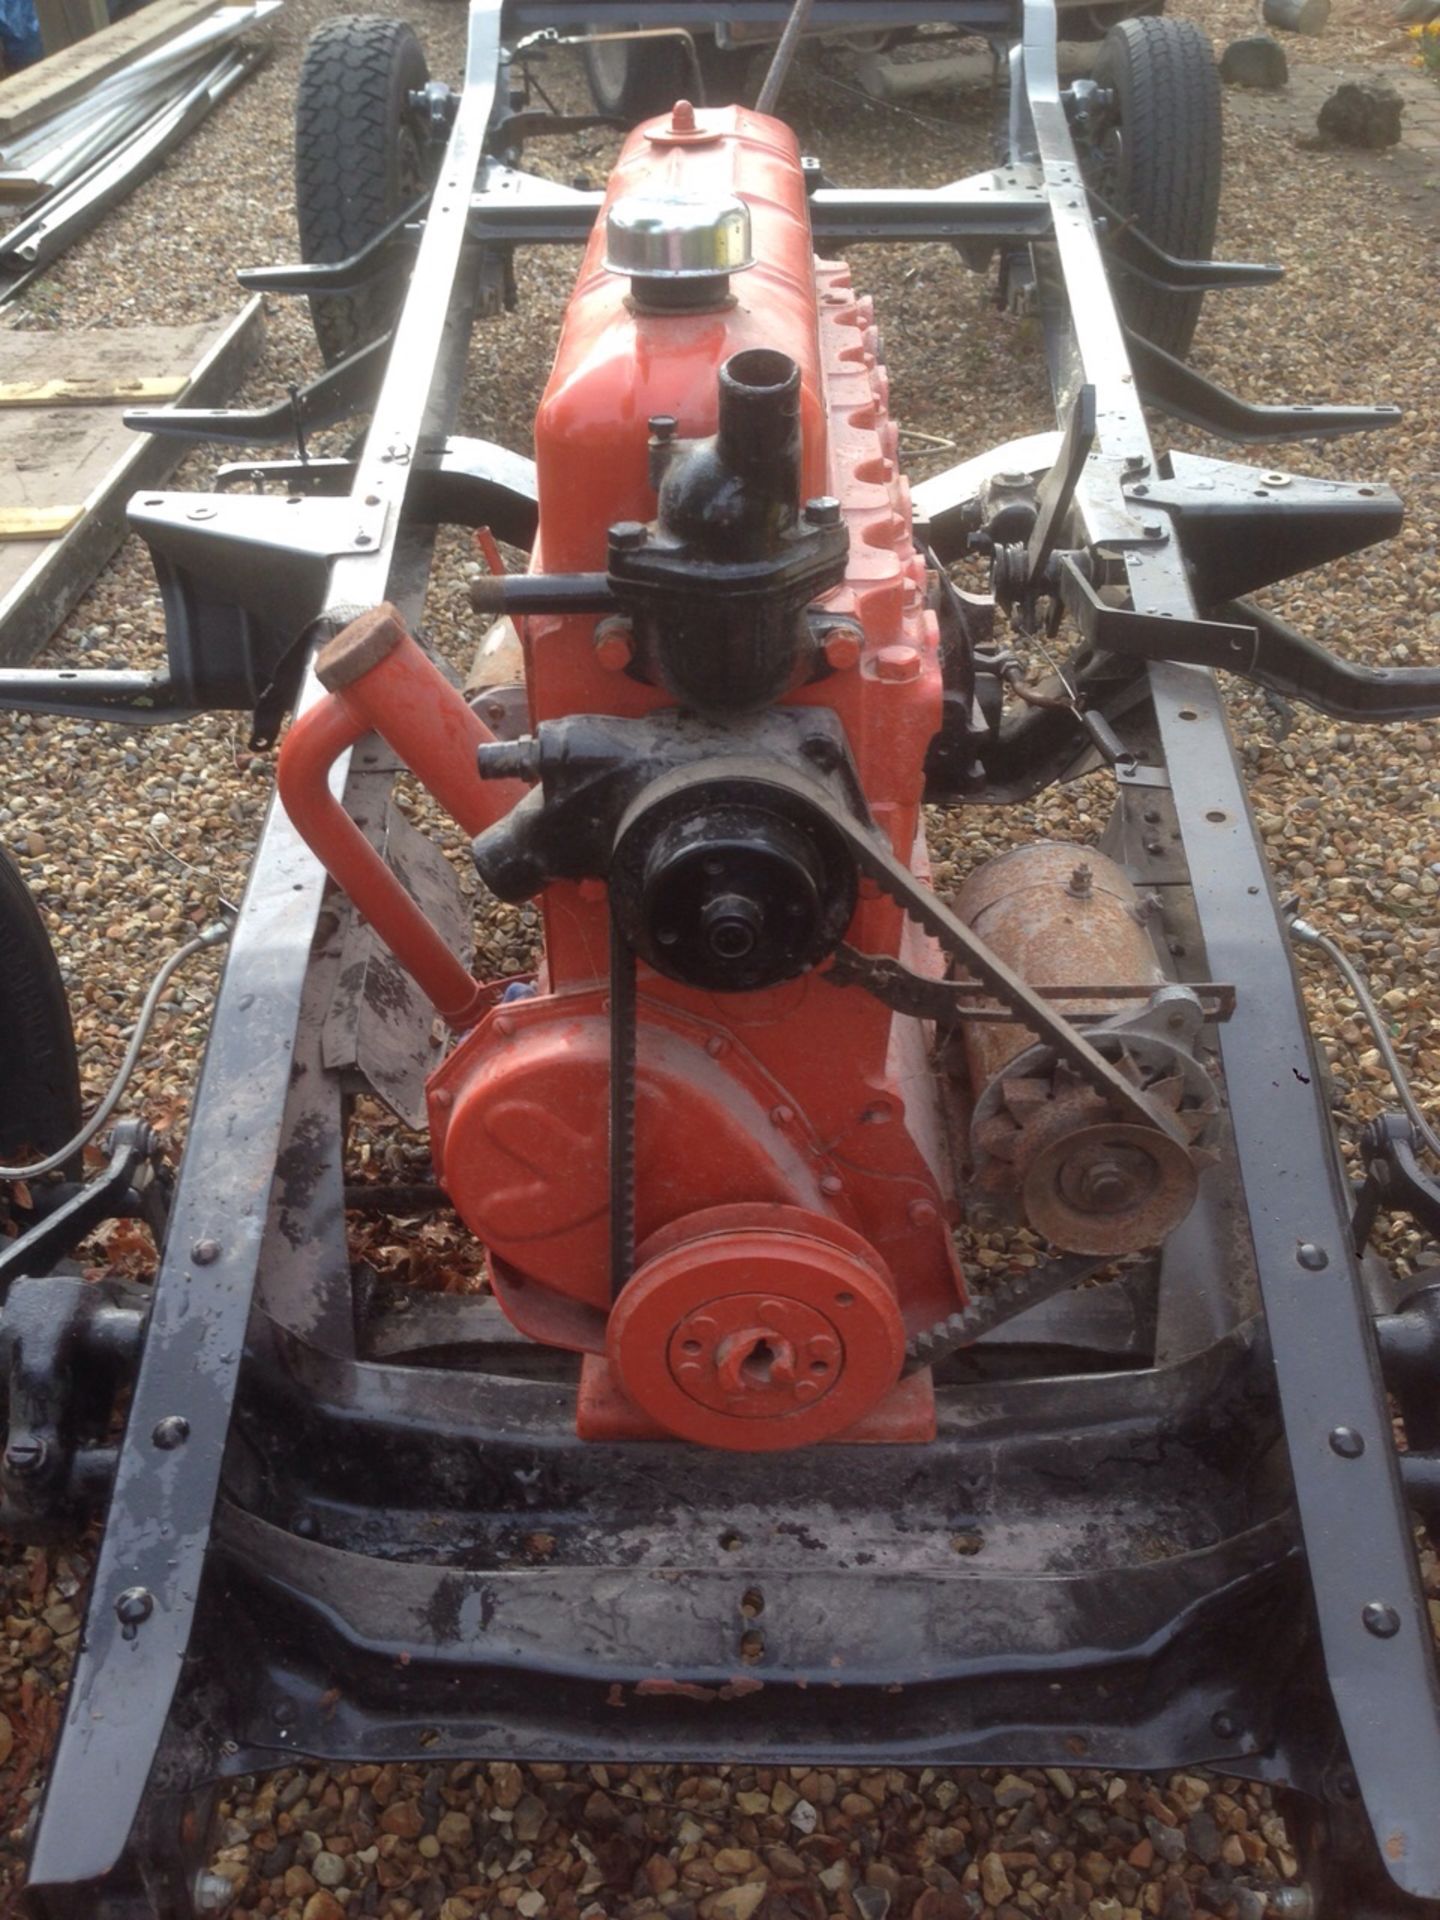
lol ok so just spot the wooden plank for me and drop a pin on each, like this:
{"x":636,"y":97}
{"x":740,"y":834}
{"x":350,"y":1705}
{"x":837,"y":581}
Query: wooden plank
{"x":97,"y":391}
{"x":87,"y":453}
{"x":37,"y":523}
{"x":57,"y":81}
{"x":63,"y":22}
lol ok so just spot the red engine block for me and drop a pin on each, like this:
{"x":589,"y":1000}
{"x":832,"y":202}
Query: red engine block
{"x":792,"y":1179}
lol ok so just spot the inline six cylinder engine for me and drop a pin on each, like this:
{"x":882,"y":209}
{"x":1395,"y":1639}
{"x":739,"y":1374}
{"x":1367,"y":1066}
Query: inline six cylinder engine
{"x":696,"y":1151}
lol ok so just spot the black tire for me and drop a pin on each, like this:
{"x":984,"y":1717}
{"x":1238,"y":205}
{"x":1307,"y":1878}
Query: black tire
{"x":39,"y":1075}
{"x":638,"y":79}
{"x":1156,"y":155}
{"x":360,"y":158}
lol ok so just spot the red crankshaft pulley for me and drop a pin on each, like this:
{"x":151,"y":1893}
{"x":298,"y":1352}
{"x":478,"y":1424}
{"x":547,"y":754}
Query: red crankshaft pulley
{"x":756,"y":1328}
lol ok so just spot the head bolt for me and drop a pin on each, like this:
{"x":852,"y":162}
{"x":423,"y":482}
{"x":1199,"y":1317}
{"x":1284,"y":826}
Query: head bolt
{"x":897,"y":664}
{"x":134,"y":1606}
{"x":1081,"y":881}
{"x":842,"y":648}
{"x":823,"y":511}
{"x":171,"y":1432}
{"x":614,"y":644}
{"x":923,"y":1213}
{"x":682,"y":117}
{"x":1381,"y":1620}
{"x":663,"y":426}
{"x":627,"y":535}
{"x":205,"y":1252}
{"x":1314,"y":1259}
{"x":1225,"y":1726}
{"x":1347,"y":1443}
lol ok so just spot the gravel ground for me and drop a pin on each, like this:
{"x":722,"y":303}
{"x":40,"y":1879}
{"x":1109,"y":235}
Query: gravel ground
{"x":129,"y":840}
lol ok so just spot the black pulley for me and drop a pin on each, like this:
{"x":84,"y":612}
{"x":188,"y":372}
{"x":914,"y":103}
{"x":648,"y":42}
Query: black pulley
{"x":731,"y":885}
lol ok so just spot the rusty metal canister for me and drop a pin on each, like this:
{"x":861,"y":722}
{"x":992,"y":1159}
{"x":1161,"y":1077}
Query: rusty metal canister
{"x":1059,"y":916}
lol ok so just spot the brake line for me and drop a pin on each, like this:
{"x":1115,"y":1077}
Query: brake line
{"x":211,"y":936}
{"x":1304,"y":934}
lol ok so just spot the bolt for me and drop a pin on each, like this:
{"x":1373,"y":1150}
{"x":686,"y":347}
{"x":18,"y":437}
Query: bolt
{"x":831,"y":1183}
{"x":897,"y":664}
{"x":1381,"y":1620}
{"x":205,"y":1252}
{"x":614,"y":644}
{"x":715,"y":1045}
{"x":663,"y":426}
{"x":1311,"y":1257}
{"x":305,"y":1526}
{"x":842,"y":648}
{"x":822,"y":1346}
{"x":823,"y":511}
{"x":805,"y":1389}
{"x":922,"y":1213}
{"x":1103,"y":1186}
{"x":682,"y":117}
{"x":24,"y":1457}
{"x":1136,"y":463}
{"x":626,"y":535}
{"x":134,"y":1606}
{"x":781,"y":1116}
{"x":171,"y":1432}
{"x":823,"y":752}
{"x":1224,"y":1726}
{"x":1154,"y":528}
{"x":1347,"y":1443}
{"x":1010,"y":477}
{"x":1080,"y":881}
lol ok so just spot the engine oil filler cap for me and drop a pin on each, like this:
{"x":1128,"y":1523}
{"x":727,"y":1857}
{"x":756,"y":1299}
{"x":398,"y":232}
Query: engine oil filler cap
{"x":678,"y":250}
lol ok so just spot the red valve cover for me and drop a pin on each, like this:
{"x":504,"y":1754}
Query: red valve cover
{"x":813,"y":1102}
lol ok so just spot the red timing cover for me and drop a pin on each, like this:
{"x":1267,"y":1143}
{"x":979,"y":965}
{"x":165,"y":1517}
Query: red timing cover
{"x":804,"y":1094}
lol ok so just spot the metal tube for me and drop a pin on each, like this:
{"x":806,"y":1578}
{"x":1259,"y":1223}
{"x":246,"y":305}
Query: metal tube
{"x":783,"y":56}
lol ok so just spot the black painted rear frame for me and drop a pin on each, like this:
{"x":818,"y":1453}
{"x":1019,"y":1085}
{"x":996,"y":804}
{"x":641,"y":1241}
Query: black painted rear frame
{"x":1134,"y":1544}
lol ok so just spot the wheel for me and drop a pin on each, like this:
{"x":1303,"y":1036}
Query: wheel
{"x":360,"y":159}
{"x":39,"y":1076}
{"x":638,"y":79}
{"x":1154,"y":152}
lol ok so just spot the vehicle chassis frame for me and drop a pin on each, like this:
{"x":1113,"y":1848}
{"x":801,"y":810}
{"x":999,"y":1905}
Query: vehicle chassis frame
{"x":251,"y":1331}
